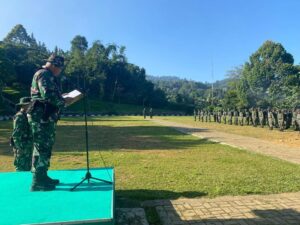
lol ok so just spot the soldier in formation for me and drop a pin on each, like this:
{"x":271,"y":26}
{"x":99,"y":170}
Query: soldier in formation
{"x":151,"y":113}
{"x":273,"y":118}
{"x":144,"y":113}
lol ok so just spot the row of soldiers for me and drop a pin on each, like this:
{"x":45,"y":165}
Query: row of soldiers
{"x":278,"y":118}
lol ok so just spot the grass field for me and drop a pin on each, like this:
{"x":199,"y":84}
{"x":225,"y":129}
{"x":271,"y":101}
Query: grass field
{"x":155,"y":162}
{"x":288,"y":137}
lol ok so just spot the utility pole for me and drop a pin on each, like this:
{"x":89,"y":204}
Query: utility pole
{"x":212,"y":82}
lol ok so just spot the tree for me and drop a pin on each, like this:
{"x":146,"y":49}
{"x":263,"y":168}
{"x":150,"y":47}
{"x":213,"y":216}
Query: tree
{"x":18,"y":36}
{"x":266,"y":72}
{"x":76,"y":67}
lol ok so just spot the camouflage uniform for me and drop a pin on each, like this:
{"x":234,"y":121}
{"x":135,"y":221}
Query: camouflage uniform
{"x":202,"y":115}
{"x":224,"y":117}
{"x":195,"y":114}
{"x":241,"y":117}
{"x":151,"y":113}
{"x":288,"y":118}
{"x":22,"y":140}
{"x":247,"y":117}
{"x":280,"y":117}
{"x":209,"y":116}
{"x":295,"y":123}
{"x":270,"y":119}
{"x":220,"y":116}
{"x":298,"y":118}
{"x":254,"y":117}
{"x":45,"y":90}
{"x":144,"y":113}
{"x":229,"y":117}
{"x":235,"y":117}
{"x":261,"y":117}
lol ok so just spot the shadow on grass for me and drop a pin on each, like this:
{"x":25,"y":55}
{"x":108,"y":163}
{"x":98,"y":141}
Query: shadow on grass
{"x":140,"y":195}
{"x":101,"y":137}
{"x":72,"y":138}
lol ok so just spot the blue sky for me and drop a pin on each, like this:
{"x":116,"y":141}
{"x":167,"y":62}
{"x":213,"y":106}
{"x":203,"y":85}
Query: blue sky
{"x":179,"y":38}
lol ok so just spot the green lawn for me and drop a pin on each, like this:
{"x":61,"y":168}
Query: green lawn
{"x":155,"y":162}
{"x":288,"y":137}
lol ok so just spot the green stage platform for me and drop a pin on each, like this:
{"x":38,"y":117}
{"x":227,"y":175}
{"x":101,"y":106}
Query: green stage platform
{"x":88,"y":204}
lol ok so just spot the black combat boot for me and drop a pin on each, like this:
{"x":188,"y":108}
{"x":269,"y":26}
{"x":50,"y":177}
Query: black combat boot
{"x":49,"y":180}
{"x":39,"y":183}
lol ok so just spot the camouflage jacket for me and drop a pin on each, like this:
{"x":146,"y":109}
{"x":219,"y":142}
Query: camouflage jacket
{"x":22,"y":136}
{"x":45,"y":88}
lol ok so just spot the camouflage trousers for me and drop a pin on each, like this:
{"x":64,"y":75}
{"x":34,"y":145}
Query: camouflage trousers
{"x":241,"y":121}
{"x":229,"y":119}
{"x":43,"y":140}
{"x":236,"y":120}
{"x":23,"y":157}
{"x":224,"y":119}
{"x":270,"y":122}
{"x":281,"y":124}
{"x":261,"y":122}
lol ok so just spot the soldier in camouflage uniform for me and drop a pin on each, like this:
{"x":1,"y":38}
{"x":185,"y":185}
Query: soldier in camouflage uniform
{"x":209,"y":116}
{"x":261,"y":117}
{"x":195,"y":114}
{"x":205,"y":116}
{"x":247,"y":117}
{"x":202,"y":115}
{"x":21,"y":139}
{"x":254,"y":117}
{"x":144,"y":113}
{"x":43,"y":113}
{"x":289,"y":118}
{"x":298,"y":118}
{"x":270,"y":119}
{"x":294,"y":120}
{"x":224,"y":116}
{"x":235,"y":117}
{"x":151,"y":113}
{"x":241,"y":117}
{"x":229,"y":117}
{"x":280,"y":118}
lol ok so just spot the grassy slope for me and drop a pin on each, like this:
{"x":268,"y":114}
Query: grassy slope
{"x":155,"y":162}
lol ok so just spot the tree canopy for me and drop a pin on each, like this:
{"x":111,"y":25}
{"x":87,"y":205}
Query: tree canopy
{"x":268,"y":78}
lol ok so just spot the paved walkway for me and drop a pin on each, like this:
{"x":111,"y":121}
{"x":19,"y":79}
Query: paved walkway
{"x":248,"y":143}
{"x":279,"y":209}
{"x":131,"y":216}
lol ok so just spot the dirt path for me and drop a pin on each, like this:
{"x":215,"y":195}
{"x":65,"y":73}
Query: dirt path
{"x":291,"y":154}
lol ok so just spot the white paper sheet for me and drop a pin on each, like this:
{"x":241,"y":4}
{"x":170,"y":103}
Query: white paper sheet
{"x":73,"y":94}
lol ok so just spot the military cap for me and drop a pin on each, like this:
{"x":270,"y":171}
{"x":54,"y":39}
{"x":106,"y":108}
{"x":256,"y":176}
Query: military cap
{"x":56,"y":60}
{"x":24,"y":101}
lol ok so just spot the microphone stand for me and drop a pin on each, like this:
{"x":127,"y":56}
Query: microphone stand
{"x":88,"y":175}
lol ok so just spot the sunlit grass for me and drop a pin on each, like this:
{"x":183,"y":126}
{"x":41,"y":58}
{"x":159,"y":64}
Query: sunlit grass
{"x":155,"y":162}
{"x":288,"y":137}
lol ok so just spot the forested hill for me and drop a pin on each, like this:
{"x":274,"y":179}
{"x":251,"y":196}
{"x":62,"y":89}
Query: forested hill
{"x":181,"y":91}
